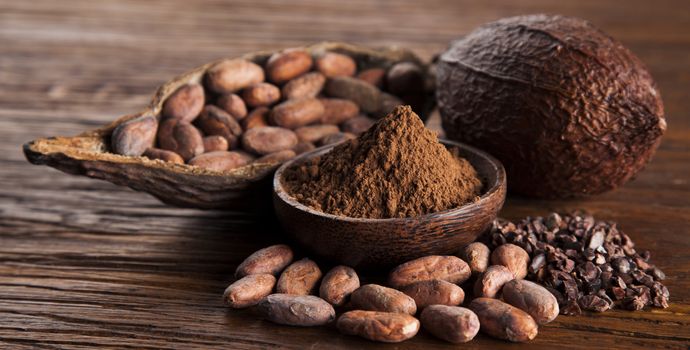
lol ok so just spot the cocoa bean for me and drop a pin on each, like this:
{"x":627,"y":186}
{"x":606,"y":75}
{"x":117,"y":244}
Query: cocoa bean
{"x":268,"y":139}
{"x":256,"y":118}
{"x":303,"y":147}
{"x":503,"y":321}
{"x":134,"y":136}
{"x":215,"y":143}
{"x":531,"y":298}
{"x":296,"y":310}
{"x":432,"y":292}
{"x":378,"y":326}
{"x":215,"y":121}
{"x":379,"y":298}
{"x":451,"y":323}
{"x":249,"y":290}
{"x":490,"y":282}
{"x":287,"y":65}
{"x":333,"y":64}
{"x":222,"y":160}
{"x":357,"y":125}
{"x":313,"y":133}
{"x":477,"y":256}
{"x":234,"y":105}
{"x":405,"y":78}
{"x":338,"y":284}
{"x":307,"y":85}
{"x":271,"y":260}
{"x":295,"y":113}
{"x":232,"y":75}
{"x":277,"y":157}
{"x":180,"y":137}
{"x":387,"y":103}
{"x":261,"y":94}
{"x":299,"y":278}
{"x":513,"y":257}
{"x":365,"y":95}
{"x":373,"y":76}
{"x":168,"y":156}
{"x":338,"y":110}
{"x":336,"y":138}
{"x":185,"y":103}
{"x":442,"y":267}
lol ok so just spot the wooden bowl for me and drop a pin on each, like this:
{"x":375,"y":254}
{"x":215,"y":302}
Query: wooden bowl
{"x":382,"y":243}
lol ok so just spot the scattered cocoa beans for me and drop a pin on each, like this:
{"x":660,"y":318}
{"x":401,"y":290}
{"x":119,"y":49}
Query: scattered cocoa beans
{"x":232,"y":75}
{"x":433,"y":292}
{"x":276,"y":157}
{"x":299,"y":278}
{"x":490,"y":282}
{"x":271,"y":260}
{"x":296,"y":310}
{"x":168,"y":156}
{"x":503,"y":321}
{"x":477,"y":256}
{"x":313,"y":133}
{"x":307,"y":85}
{"x":256,"y":118}
{"x":333,"y":64}
{"x":387,"y":104}
{"x":451,"y":323}
{"x":373,"y":76}
{"x":134,"y":136}
{"x":185,"y":103}
{"x":357,"y":125}
{"x":338,"y":110}
{"x":295,"y":113}
{"x":513,"y":257}
{"x":234,"y":105}
{"x":443,"y":267}
{"x":365,"y":95}
{"x":215,"y":143}
{"x":268,"y":139}
{"x":289,"y":64}
{"x":181,"y":137}
{"x":303,"y":147}
{"x":531,"y":298}
{"x":338,"y":284}
{"x":221,"y":160}
{"x":378,"y":326}
{"x":249,"y":290}
{"x":215,"y":121}
{"x":336,"y":138}
{"x":379,"y":298}
{"x":261,"y":95}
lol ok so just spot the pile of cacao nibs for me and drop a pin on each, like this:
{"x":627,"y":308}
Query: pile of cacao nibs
{"x":587,"y":264}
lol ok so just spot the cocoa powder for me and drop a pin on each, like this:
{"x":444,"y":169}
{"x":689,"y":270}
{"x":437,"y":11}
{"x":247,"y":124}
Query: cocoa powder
{"x":396,"y":169}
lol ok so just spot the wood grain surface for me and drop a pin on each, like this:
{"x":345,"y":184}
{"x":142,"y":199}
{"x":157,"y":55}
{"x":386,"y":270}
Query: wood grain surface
{"x":86,"y":264}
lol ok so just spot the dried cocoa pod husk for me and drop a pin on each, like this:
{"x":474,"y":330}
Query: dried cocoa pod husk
{"x":245,"y":188}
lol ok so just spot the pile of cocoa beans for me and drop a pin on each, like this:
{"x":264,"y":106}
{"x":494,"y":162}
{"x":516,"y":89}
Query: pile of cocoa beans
{"x":244,"y":113}
{"x":425,"y":292}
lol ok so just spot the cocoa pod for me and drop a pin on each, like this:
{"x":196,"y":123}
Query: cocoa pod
{"x":249,"y":290}
{"x":256,"y":118}
{"x":379,"y":298}
{"x":357,"y":125}
{"x":373,"y":76}
{"x":232,"y":75}
{"x":268,"y":139}
{"x":215,"y":143}
{"x":490,"y":282}
{"x":299,"y":278}
{"x":405,"y":78}
{"x":533,"y":299}
{"x":287,"y":65}
{"x":271,"y":260}
{"x":385,"y":327}
{"x":338,"y":110}
{"x":295,"y":113}
{"x":168,"y":156}
{"x":365,"y":95}
{"x":134,"y":136}
{"x":185,"y":103}
{"x":442,"y":267}
{"x":307,"y":85}
{"x":261,"y":94}
{"x":451,"y":323}
{"x":303,"y":147}
{"x":332,"y":64}
{"x":433,"y":292}
{"x":180,"y":137}
{"x":503,"y":321}
{"x":233,"y":105}
{"x":338,"y":285}
{"x":477,"y":256}
{"x":277,"y":157}
{"x":387,"y":102}
{"x":215,"y":121}
{"x":336,"y":138}
{"x":296,"y":310}
{"x":222,"y":160}
{"x":513,"y":257}
{"x":313,"y":133}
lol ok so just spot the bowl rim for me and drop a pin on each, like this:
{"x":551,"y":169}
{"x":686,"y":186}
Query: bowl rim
{"x":492,"y":189}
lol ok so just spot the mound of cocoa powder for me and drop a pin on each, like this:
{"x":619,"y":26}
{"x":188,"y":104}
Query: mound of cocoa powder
{"x":396,"y":169}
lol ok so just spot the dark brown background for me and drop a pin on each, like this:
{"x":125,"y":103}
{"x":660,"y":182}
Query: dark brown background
{"x":84,"y":263}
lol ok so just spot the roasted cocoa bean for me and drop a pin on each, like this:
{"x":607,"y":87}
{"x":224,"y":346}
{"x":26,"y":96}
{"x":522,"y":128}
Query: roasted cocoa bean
{"x":373,"y":76}
{"x":336,"y":138}
{"x":215,"y":143}
{"x":215,"y":121}
{"x":313,"y":133}
{"x":338,"y":284}
{"x":490,"y":282}
{"x":379,"y":298}
{"x":503,"y":321}
{"x":338,"y":110}
{"x":292,"y":114}
{"x":387,"y":102}
{"x":332,"y":64}
{"x":134,"y":136}
{"x":533,"y":299}
{"x":307,"y":85}
{"x":451,"y":323}
{"x":256,"y":118}
{"x":277,"y":157}
{"x":433,"y":292}
{"x":405,"y":78}
{"x":261,"y":94}
{"x":234,"y":105}
{"x":357,"y":125}
{"x":222,"y":160}
{"x":299,"y":278}
{"x":185,"y":103}
{"x":442,"y":267}
{"x":513,"y":257}
{"x":287,"y":65}
{"x":180,"y":137}
{"x":385,"y":327}
{"x":168,"y":156}
{"x":268,"y":139}
{"x":249,"y":290}
{"x":296,"y":310}
{"x":271,"y":260}
{"x":232,"y":75}
{"x":477,"y":256}
{"x":303,"y":147}
{"x":365,"y":95}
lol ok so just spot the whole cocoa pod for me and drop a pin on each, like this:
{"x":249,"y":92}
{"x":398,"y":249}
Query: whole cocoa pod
{"x":307,"y":85}
{"x":503,"y":321}
{"x":385,"y":327}
{"x":234,"y":105}
{"x":513,"y":257}
{"x":451,"y":323}
{"x":261,"y":94}
{"x":433,"y":292}
{"x":249,"y":290}
{"x":365,"y":95}
{"x":185,"y":103}
{"x":477,"y":256}
{"x":531,"y":298}
{"x":180,"y":137}
{"x":168,"y":156}
{"x":287,"y":65}
{"x":442,"y":267}
{"x":268,"y":139}
{"x":215,"y":121}
{"x":338,"y":284}
{"x":332,"y":64}
{"x":296,"y":310}
{"x":379,"y":298}
{"x":232,"y":75}
{"x":221,"y":160}
{"x":299,"y":278}
{"x":490,"y":282}
{"x":271,"y":260}
{"x":134,"y":136}
{"x":295,"y":113}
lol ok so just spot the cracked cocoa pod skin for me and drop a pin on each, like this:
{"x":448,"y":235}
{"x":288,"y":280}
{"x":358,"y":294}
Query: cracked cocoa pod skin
{"x":296,"y":310}
{"x":385,"y":327}
{"x":503,"y":321}
{"x":568,"y":110}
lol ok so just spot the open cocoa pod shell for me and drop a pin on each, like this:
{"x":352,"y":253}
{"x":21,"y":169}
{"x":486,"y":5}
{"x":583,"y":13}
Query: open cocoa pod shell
{"x":244,"y":189}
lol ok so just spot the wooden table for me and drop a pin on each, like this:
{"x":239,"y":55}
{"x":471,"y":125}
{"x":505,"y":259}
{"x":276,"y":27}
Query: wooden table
{"x":84,"y":263}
